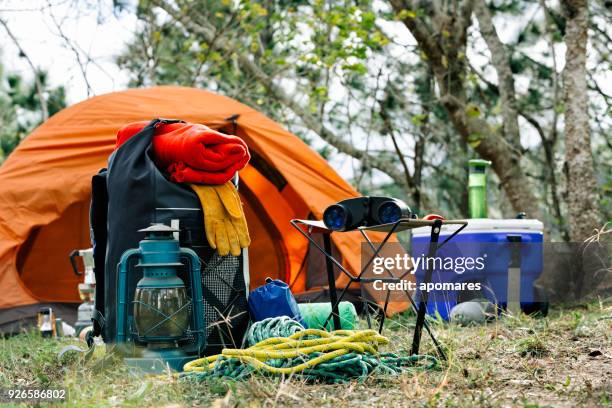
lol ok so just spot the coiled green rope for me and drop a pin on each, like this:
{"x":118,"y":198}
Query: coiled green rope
{"x":283,"y":346}
{"x":282,"y":326}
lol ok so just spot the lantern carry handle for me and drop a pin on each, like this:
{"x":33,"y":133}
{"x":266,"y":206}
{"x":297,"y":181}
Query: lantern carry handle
{"x":196,"y":296}
{"x":122,"y":303}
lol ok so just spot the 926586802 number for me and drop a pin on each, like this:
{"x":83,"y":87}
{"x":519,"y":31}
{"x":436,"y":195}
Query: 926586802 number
{"x":28,"y":394}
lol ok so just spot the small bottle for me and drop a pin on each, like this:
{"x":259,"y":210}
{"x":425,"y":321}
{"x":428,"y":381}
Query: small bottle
{"x":59,"y":329}
{"x":46,"y":323}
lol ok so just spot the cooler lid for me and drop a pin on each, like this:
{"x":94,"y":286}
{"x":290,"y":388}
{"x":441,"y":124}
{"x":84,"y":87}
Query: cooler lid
{"x":489,"y":225}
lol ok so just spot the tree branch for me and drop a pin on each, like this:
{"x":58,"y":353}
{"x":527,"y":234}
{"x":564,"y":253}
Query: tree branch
{"x":37,"y":82}
{"x":501,"y":63}
{"x":70,"y":45}
{"x":388,"y":129}
{"x":556,"y":97}
{"x":536,"y":125}
{"x":424,"y":37}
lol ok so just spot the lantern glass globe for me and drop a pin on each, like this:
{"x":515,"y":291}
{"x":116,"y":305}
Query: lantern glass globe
{"x":153,"y":306}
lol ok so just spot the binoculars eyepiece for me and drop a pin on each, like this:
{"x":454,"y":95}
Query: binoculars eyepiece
{"x":357,"y":212}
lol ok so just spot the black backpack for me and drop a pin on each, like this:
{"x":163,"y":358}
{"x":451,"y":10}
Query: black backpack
{"x":130,"y":195}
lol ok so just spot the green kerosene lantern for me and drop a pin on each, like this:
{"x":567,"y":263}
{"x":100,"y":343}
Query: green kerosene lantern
{"x":160,"y":319}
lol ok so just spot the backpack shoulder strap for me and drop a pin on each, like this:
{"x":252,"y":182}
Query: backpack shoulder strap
{"x":98,"y":216}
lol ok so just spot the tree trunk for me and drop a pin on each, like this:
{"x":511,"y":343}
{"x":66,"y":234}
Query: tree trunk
{"x":582,"y":195}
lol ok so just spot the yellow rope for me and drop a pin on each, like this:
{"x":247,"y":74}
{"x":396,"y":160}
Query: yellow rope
{"x":332,"y":345}
{"x":295,"y":369}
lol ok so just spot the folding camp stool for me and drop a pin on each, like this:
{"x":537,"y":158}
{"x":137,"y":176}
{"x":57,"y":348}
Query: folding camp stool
{"x":403,"y":224}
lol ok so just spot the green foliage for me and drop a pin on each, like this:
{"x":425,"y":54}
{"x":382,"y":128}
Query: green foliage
{"x":20,"y":109}
{"x":351,"y":66}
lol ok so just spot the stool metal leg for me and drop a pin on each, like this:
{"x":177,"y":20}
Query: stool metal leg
{"x":331,"y":281}
{"x":433,"y":247}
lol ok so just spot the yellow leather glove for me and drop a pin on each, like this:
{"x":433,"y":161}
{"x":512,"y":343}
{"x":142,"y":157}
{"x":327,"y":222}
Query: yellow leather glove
{"x":224,"y":221}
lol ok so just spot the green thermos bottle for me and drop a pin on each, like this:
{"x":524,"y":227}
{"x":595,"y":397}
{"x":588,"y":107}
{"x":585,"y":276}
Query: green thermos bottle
{"x":477,"y":188}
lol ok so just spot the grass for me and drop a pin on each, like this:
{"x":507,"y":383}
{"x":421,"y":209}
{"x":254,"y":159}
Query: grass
{"x":562,"y":360}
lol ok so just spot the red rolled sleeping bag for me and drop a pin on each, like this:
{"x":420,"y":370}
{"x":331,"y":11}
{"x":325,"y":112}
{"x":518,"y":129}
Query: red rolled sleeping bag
{"x":193,"y":153}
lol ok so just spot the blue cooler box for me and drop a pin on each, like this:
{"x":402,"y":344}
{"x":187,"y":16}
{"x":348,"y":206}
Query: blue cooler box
{"x":486,"y":239}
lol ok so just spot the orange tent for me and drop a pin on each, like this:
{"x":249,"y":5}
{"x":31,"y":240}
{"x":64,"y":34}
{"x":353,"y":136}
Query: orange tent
{"x":45,"y":191}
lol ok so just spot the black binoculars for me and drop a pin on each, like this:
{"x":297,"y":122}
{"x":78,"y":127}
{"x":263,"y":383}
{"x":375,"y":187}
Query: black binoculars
{"x":357,"y":212}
